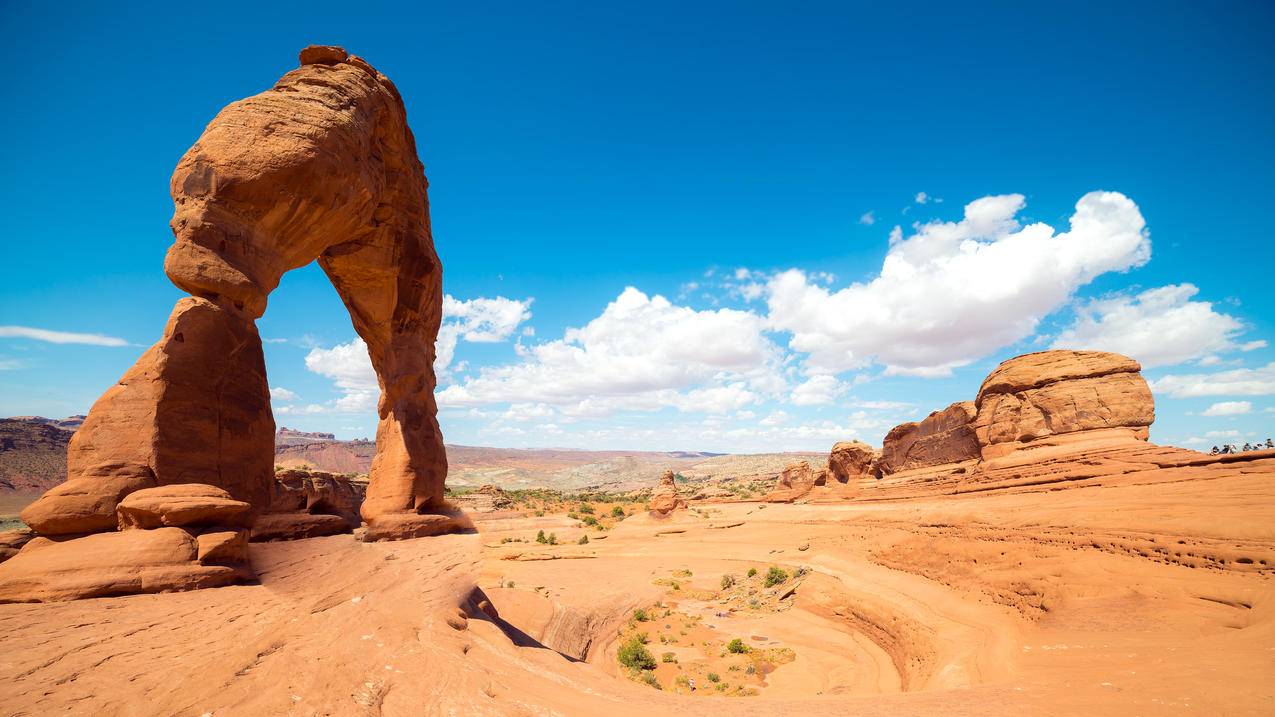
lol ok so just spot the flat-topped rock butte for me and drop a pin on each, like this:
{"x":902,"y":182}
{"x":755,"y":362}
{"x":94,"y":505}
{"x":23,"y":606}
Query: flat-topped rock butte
{"x":1027,"y":551}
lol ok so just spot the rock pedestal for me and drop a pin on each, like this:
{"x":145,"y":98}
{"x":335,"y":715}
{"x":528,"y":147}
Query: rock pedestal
{"x":666,"y":499}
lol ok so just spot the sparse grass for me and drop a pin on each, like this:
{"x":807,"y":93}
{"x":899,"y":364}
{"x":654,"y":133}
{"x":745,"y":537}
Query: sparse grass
{"x":649,"y":679}
{"x":683,"y":573}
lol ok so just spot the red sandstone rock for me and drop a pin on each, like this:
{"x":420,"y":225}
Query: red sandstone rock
{"x":11,"y":541}
{"x":850,"y":460}
{"x":82,"y":505}
{"x":1055,"y":393}
{"x":182,"y":505}
{"x":121,"y":563}
{"x":223,"y":547}
{"x":320,"y":167}
{"x":296,"y":526}
{"x":665,"y":499}
{"x":403,"y":526}
{"x":318,"y":493}
{"x":943,"y":437}
{"x":795,"y":482}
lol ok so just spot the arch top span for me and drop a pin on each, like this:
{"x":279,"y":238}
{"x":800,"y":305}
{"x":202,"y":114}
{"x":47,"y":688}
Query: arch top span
{"x":321,"y":166}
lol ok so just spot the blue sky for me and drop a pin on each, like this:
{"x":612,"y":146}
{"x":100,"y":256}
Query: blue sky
{"x":669,"y":225}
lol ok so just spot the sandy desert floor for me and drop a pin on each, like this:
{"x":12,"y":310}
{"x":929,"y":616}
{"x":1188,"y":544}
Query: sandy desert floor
{"x":1150,"y":593}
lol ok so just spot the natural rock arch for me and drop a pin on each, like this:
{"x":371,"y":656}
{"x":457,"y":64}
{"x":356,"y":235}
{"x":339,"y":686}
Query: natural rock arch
{"x":322,"y":166}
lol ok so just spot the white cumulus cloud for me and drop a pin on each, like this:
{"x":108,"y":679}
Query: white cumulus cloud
{"x":641,"y":353}
{"x":1157,"y":327}
{"x":954,"y":292}
{"x":279,"y":393}
{"x":1229,"y":408}
{"x":1237,"y":382}
{"x":818,"y":391}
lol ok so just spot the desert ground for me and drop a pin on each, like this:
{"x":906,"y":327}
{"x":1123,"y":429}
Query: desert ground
{"x":1144,"y":593}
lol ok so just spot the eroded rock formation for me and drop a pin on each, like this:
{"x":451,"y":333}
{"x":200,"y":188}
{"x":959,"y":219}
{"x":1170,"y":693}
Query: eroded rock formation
{"x":795,"y":482}
{"x":850,"y":460}
{"x":323,"y":167}
{"x":666,"y":499}
{"x":487,"y":499}
{"x":942,"y":437}
{"x":1055,"y":393}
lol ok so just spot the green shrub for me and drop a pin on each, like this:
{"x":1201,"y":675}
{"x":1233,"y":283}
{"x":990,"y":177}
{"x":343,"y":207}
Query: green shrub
{"x":752,"y":572}
{"x":649,"y":679}
{"x":634,"y":655}
{"x":727,"y":581}
{"x":736,"y":646}
{"x":586,"y":508}
{"x":540,"y":537}
{"x":714,"y":677}
{"x":590,"y":520}
{"x":553,"y":539}
{"x":640,"y":615}
{"x":668,"y":657}
{"x":617,"y":512}
{"x":774,"y":576}
{"x":584,"y":540}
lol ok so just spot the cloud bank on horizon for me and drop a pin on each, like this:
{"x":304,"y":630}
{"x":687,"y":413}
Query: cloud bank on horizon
{"x":778,"y":369}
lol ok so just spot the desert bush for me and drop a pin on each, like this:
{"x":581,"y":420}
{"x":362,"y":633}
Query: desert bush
{"x":736,"y":646}
{"x":714,"y":677}
{"x":774,"y":576}
{"x":649,"y":679}
{"x":586,"y":509}
{"x":617,"y":512}
{"x":590,"y":520}
{"x":584,"y":540}
{"x":669,"y":657}
{"x":634,"y":655}
{"x":553,"y":539}
{"x":727,"y":581}
{"x":752,"y":572}
{"x":540,"y":537}
{"x":683,"y":573}
{"x":640,"y":615}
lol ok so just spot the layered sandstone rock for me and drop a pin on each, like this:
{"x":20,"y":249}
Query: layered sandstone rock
{"x":795,"y":482}
{"x":310,"y":504}
{"x":941,"y":438}
{"x":182,"y":505}
{"x":11,"y":541}
{"x":119,"y":563}
{"x":850,"y":460}
{"x":1055,"y":394}
{"x":666,"y":499}
{"x":323,"y":167}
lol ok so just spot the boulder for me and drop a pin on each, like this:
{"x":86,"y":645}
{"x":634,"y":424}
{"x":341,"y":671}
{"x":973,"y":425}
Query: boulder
{"x":119,"y":563}
{"x":84,"y":505}
{"x":319,"y":493}
{"x":1053,"y":394}
{"x":222,"y":547}
{"x":182,"y":505}
{"x":296,"y":526}
{"x":487,"y":499}
{"x":11,"y":541}
{"x":404,"y":526}
{"x":665,"y":499}
{"x":795,"y":482}
{"x":941,"y":438}
{"x":851,"y":460}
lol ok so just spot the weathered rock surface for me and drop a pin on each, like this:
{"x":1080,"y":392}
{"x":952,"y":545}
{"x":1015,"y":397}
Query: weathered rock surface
{"x":84,"y":505}
{"x":119,"y":563}
{"x":943,"y":437}
{"x":323,"y":167}
{"x":1054,"y":393}
{"x":11,"y":541}
{"x":319,"y":493}
{"x":665,"y":499}
{"x":182,"y":505}
{"x":795,"y":482}
{"x":295,"y":526}
{"x":850,"y":460}
{"x":404,"y":526}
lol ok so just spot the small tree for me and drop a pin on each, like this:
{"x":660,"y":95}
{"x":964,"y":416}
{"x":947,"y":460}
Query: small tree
{"x":634,"y":655}
{"x":540,"y":537}
{"x":553,"y":539}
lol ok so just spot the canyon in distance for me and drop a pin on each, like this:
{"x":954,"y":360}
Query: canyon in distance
{"x":1026,"y":550}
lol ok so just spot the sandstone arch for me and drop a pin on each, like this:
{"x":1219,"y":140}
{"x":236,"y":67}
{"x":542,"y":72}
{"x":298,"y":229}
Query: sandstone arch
{"x":323,"y":167}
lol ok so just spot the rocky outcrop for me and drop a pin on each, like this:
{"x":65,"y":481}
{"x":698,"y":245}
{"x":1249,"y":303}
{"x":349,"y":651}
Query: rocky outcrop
{"x":666,"y":499}
{"x":183,"y":505}
{"x":11,"y":541}
{"x":310,"y":504}
{"x":795,"y":482}
{"x":487,"y":499}
{"x":941,"y":438}
{"x":851,"y":460}
{"x":1055,"y":394}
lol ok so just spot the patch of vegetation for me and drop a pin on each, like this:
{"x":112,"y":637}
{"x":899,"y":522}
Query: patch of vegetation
{"x":540,"y":537}
{"x":617,"y":512}
{"x":553,"y":539}
{"x":683,"y":573}
{"x":714,"y":677}
{"x":586,"y":509}
{"x":728,"y":581}
{"x":649,"y":679}
{"x":774,"y":576}
{"x":669,"y":657}
{"x":752,"y":572}
{"x":736,"y":646}
{"x":634,"y":655}
{"x":584,"y":540}
{"x":640,"y":615}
